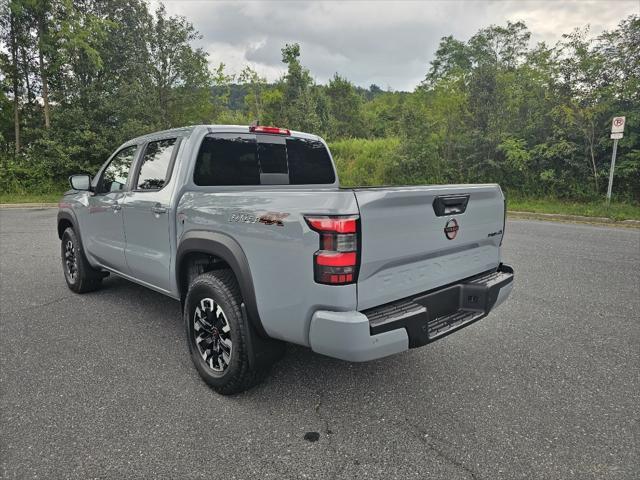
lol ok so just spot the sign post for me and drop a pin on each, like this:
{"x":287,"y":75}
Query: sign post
{"x":617,"y":130}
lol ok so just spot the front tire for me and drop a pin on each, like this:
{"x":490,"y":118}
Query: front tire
{"x":80,"y":276}
{"x":217,"y":333}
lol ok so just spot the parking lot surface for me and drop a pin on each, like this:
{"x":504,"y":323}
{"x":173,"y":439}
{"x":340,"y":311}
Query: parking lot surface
{"x":547,"y":387}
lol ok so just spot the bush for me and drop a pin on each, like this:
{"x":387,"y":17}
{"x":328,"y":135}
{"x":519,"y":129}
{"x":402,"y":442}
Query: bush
{"x":364,"y":162}
{"x":43,"y":166}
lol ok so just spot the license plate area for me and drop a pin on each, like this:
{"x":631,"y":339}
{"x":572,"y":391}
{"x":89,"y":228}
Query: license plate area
{"x":452,"y":307}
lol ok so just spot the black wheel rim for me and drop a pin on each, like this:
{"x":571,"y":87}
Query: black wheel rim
{"x":212,"y":335}
{"x":70,"y":261}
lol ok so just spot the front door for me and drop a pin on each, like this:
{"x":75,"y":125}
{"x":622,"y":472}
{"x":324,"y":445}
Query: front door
{"x":146,"y":215}
{"x":103,"y":230}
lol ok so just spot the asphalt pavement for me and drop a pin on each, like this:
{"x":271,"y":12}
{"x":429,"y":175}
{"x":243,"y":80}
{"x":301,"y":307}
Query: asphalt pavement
{"x":547,"y":387}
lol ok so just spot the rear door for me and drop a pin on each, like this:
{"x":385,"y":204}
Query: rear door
{"x":146,"y":214}
{"x":419,"y":238}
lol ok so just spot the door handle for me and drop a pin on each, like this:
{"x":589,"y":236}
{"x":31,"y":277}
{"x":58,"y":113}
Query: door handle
{"x":116,"y":207}
{"x":158,"y":209}
{"x":450,"y":204}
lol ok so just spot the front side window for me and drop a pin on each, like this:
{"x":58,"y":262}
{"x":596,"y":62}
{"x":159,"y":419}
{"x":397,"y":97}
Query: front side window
{"x":154,"y":171}
{"x":114,"y":177}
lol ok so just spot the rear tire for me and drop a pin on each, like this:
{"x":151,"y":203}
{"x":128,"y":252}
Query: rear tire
{"x":218,"y":334}
{"x":79,"y":275}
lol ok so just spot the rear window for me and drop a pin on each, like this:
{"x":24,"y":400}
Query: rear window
{"x":227,"y":160}
{"x":230,"y":159}
{"x":309,"y":162}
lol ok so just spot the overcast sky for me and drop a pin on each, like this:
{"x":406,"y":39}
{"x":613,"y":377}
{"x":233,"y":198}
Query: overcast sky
{"x":389,"y":43}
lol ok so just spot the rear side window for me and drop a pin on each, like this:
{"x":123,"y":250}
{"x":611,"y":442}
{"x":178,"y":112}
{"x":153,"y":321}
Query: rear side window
{"x":155,"y":171}
{"x":227,"y":159}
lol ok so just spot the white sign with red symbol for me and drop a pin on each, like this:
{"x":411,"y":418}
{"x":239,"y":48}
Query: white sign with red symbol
{"x":617,"y":127}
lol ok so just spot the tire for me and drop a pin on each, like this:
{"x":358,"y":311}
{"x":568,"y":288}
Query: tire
{"x":79,"y":275}
{"x":218,"y":334}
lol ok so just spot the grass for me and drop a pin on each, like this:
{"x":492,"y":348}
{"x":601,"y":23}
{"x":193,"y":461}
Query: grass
{"x":615,"y":211}
{"x":30,"y":197}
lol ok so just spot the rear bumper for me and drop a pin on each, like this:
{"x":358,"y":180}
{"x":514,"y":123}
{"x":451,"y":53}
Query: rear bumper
{"x":410,"y":322}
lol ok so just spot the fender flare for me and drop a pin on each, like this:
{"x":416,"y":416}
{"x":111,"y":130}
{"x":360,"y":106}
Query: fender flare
{"x":227,"y":249}
{"x":69,"y":216}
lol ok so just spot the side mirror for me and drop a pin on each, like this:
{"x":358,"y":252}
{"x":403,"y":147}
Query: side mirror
{"x":80,"y":182}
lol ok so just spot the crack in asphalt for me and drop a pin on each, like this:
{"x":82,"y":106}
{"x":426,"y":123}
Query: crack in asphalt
{"x":421,"y":435}
{"x":416,"y":431}
{"x":341,"y":463}
{"x":40,"y":305}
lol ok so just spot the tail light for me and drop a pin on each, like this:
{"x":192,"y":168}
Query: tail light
{"x":271,"y":130}
{"x":337,"y":260}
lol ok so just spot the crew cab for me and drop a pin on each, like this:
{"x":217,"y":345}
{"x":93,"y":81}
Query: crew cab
{"x":250,"y":230}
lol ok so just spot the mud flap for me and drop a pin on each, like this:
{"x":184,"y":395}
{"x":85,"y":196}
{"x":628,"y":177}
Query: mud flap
{"x":260,"y":350}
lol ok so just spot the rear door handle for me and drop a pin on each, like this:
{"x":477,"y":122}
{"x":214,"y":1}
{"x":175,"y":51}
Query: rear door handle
{"x":116,"y":207}
{"x":158,"y":209}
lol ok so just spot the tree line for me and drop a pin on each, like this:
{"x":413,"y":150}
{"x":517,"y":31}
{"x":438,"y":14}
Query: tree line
{"x":79,"y":77}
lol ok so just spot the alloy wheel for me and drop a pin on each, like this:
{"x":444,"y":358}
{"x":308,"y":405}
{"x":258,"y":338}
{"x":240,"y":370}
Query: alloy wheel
{"x":212,"y":335}
{"x":70,"y":261}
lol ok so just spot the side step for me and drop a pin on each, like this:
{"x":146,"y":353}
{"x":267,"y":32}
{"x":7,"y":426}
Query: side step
{"x":441,"y":325}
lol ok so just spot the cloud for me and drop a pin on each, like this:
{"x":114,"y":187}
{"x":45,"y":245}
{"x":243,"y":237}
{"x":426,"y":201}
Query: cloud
{"x":386,"y":43}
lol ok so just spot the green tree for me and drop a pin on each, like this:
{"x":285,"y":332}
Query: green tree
{"x":345,"y":103}
{"x":298,"y":102}
{"x":78,"y":77}
{"x":256,"y":87}
{"x":14,"y":36}
{"x":179,"y":73}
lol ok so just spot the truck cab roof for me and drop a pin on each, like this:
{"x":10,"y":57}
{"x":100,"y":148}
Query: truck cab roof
{"x":212,"y":128}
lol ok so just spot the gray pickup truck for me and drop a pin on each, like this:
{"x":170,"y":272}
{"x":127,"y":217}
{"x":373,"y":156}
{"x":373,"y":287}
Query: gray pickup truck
{"x":250,"y":230}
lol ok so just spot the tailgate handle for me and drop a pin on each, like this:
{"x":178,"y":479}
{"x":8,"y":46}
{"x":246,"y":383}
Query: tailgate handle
{"x":450,"y":204}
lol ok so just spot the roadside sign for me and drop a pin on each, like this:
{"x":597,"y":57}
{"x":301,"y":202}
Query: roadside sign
{"x":617,"y":129}
{"x":617,"y":125}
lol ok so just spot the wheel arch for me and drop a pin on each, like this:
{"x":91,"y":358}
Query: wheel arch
{"x":227,"y":250}
{"x":66,"y":220}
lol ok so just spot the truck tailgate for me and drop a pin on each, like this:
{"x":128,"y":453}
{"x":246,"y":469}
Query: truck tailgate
{"x":405,"y":248}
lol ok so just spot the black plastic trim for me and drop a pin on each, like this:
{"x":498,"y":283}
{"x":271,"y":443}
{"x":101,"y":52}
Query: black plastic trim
{"x":459,"y":304}
{"x":71,"y":217}
{"x":444,"y":205}
{"x":227,"y":249}
{"x":66,"y":215}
